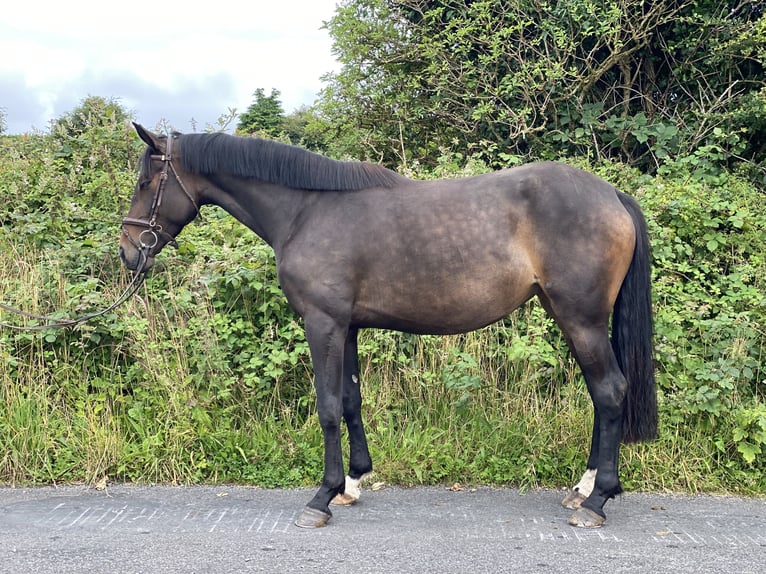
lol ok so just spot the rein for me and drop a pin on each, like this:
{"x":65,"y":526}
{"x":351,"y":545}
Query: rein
{"x":58,"y":323}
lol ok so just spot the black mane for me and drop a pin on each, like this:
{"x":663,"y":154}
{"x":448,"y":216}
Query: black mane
{"x":278,"y":163}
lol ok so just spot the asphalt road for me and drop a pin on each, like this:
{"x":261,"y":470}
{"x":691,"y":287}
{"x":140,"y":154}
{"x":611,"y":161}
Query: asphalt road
{"x":195,"y":530}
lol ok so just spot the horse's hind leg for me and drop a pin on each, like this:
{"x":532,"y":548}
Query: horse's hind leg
{"x":360,"y":462}
{"x":607,"y":386}
{"x":580,"y":491}
{"x":586,"y":331}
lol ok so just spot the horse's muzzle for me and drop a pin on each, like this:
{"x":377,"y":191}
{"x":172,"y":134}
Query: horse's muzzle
{"x":135,"y":259}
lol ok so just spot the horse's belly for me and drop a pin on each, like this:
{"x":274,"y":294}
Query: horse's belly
{"x":440,"y":307}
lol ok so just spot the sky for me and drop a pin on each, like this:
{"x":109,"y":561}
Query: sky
{"x":178,"y":63}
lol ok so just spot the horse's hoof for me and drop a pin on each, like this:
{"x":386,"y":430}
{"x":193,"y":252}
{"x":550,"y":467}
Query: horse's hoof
{"x":344,"y":499}
{"x":586,"y":518}
{"x":573,"y":500}
{"x":312,"y":518}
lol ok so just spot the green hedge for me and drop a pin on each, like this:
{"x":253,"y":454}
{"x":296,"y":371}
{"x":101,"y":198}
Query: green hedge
{"x":205,"y":374}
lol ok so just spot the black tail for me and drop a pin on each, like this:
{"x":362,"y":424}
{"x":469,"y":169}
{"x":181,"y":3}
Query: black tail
{"x":632,"y":330}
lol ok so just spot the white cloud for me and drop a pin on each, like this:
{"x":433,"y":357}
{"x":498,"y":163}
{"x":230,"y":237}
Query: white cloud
{"x":172,"y":58}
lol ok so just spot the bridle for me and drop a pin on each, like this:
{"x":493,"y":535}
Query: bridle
{"x":148,"y":239}
{"x":153,"y":231}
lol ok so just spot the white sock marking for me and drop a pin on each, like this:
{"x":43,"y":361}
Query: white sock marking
{"x":587,"y":482}
{"x":352,"y":486}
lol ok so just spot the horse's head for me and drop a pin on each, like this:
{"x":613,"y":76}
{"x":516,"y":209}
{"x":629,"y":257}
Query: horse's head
{"x":162,"y":203}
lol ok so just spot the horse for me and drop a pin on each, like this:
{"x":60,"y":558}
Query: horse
{"x":359,"y":246}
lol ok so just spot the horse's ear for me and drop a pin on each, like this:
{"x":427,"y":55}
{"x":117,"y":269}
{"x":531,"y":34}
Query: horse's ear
{"x":148,"y":137}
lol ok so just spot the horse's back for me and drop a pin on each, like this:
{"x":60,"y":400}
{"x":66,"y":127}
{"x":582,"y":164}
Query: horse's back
{"x":454,"y":255}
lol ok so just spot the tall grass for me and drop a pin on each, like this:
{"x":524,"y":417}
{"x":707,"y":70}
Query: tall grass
{"x":164,"y":389}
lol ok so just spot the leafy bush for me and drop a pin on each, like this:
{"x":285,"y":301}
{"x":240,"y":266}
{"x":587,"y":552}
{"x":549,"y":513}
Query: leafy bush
{"x":630,"y":80}
{"x":710,"y":303}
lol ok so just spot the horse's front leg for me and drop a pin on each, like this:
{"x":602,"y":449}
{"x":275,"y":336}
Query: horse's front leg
{"x":326,"y":341}
{"x":360,"y":462}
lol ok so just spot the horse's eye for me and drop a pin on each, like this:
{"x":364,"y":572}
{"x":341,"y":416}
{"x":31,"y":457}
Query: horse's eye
{"x":144,"y":184}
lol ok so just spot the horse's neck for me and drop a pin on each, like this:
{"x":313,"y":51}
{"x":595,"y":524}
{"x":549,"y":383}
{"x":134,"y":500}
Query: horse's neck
{"x":266,"y":209}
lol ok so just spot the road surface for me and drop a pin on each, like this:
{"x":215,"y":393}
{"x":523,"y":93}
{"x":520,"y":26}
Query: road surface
{"x":222,"y":529}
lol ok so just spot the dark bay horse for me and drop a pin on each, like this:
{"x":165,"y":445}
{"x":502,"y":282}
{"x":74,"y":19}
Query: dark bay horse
{"x":358,"y":246}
